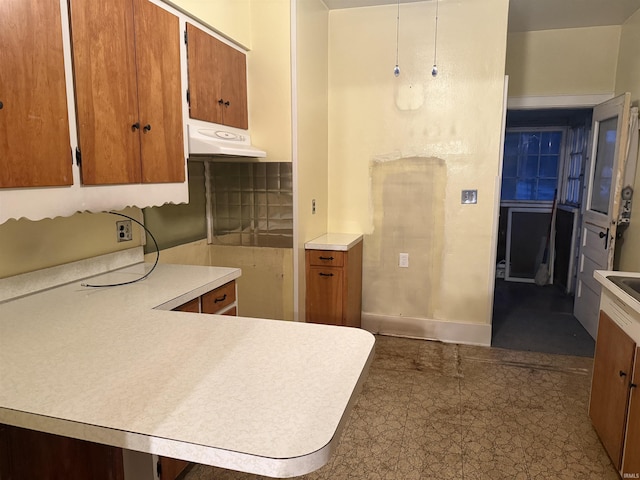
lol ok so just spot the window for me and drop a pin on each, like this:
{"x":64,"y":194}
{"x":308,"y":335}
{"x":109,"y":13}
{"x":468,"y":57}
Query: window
{"x":531,"y":162}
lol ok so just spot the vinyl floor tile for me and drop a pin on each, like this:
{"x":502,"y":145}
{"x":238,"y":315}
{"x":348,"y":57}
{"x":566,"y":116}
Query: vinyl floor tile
{"x":435,"y":411}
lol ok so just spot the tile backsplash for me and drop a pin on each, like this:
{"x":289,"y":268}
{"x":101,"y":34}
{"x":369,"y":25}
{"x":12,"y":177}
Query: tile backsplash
{"x":252,"y":204}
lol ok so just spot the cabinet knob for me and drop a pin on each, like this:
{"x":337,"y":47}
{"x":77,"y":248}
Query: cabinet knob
{"x":147,"y":127}
{"x":135,"y":126}
{"x":227,"y":103}
{"x":623,"y":374}
{"x":220,"y":102}
{"x":1,"y":105}
{"x":632,"y":385}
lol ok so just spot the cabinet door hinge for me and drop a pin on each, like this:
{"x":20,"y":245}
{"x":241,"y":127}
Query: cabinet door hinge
{"x":186,"y":38}
{"x":159,"y":469}
{"x":78,"y":157}
{"x":188,"y":98}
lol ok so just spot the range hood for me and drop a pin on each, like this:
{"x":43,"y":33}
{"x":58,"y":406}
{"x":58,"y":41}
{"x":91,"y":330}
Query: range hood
{"x":219,"y":141}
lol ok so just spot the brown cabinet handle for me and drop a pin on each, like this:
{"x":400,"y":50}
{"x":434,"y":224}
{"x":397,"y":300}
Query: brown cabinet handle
{"x":221,"y":299}
{"x":326,"y":274}
{"x":1,"y":105}
{"x":221,"y":102}
{"x":147,"y":127}
{"x":326,"y":258}
{"x":623,"y":374}
{"x":135,"y":126}
{"x":227,"y":103}
{"x":632,"y":385}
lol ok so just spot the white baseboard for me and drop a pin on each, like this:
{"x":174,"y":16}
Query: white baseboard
{"x":427,"y":329}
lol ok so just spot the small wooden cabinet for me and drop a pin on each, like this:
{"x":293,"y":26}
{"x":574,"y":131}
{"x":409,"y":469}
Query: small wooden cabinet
{"x":610,"y":388}
{"x":334,"y":285}
{"x":126,"y":59}
{"x":27,"y":454}
{"x":35,"y":145}
{"x":217,"y":80}
{"x":631,"y":459}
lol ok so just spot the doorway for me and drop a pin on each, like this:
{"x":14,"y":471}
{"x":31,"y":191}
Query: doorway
{"x":543,"y":171}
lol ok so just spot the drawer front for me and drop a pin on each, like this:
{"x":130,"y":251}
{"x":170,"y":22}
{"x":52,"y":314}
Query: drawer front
{"x":215,"y":300}
{"x":193,"y":306}
{"x":327,"y":258}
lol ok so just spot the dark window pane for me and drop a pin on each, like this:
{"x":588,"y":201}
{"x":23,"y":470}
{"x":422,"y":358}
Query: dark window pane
{"x":546,"y":189}
{"x":531,"y":142}
{"x":511,"y":142}
{"x":549,"y":166}
{"x":528,"y":166}
{"x":550,"y":143}
{"x":525,"y":189}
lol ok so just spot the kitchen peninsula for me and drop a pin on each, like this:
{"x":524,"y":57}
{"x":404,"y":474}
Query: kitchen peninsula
{"x":116,"y":366}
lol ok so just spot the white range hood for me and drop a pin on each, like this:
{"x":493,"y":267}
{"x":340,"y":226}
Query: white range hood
{"x":219,"y":141}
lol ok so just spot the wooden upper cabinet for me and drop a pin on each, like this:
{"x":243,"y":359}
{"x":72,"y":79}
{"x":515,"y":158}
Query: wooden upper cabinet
{"x":217,"y":80}
{"x":126,"y":57}
{"x":35,"y":149}
{"x":159,"y":93}
{"x":612,"y":370}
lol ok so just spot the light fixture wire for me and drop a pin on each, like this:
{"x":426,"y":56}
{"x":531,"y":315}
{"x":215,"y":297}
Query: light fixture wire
{"x":396,"y":70}
{"x":434,"y":71}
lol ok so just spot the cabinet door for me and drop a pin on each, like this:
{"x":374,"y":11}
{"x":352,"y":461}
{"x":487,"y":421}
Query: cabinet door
{"x":217,"y":80}
{"x":106,"y":91}
{"x":34,"y":125}
{"x":631,"y":465}
{"x":324,"y":295}
{"x":26,"y":454}
{"x":159,"y":93}
{"x":612,"y":369}
{"x":170,"y":468}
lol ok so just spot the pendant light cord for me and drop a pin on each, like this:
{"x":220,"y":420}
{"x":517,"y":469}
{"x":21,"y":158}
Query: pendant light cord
{"x":435,"y":39}
{"x":397,"y":31}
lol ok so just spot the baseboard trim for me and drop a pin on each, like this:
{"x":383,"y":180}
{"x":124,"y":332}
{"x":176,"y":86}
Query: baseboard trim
{"x":428,"y":329}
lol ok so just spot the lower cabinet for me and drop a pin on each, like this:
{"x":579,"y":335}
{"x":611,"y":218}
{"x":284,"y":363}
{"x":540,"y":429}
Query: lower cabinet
{"x":614,"y":406}
{"x":27,"y":454}
{"x":334,"y":286}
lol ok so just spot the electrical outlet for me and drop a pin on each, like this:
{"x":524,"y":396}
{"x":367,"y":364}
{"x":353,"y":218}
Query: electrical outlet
{"x":403,"y":260}
{"x":313,"y":206}
{"x":123,"y":229}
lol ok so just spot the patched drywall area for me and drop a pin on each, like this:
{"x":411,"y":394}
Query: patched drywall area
{"x":408,"y":208}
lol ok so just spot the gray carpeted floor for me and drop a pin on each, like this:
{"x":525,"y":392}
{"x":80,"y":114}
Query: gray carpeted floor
{"x":537,"y":319}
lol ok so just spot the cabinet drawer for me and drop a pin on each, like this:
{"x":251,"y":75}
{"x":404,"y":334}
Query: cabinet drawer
{"x":192,"y":306}
{"x":216,"y":300}
{"x":329,"y":258}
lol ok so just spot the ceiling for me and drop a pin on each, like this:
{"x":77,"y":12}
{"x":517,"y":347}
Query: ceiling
{"x":530,"y":15}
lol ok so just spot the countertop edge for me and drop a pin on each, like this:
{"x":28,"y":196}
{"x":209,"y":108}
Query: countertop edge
{"x":601,"y":278}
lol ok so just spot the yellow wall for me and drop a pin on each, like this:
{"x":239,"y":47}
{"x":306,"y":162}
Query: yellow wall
{"x":577,"y":61}
{"x":312,"y":124}
{"x":402,"y":149}
{"x":269,"y":72}
{"x":229,"y":17}
{"x":26,"y":246}
{"x":628,"y":80}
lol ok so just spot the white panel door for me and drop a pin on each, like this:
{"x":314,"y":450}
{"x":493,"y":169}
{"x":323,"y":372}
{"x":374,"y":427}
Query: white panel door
{"x":601,"y":204}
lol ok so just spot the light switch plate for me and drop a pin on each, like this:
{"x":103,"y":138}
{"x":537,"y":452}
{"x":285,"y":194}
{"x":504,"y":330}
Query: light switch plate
{"x":469,"y":196}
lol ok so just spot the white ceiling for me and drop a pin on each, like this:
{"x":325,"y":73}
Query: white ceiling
{"x":529,"y":15}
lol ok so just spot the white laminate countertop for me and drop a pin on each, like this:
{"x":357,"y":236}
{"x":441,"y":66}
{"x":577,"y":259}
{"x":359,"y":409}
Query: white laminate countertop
{"x":334,"y":241}
{"x":116,"y":366}
{"x":616,"y":291}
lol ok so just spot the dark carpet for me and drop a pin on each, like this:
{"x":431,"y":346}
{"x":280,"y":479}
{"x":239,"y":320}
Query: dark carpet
{"x":537,"y":319}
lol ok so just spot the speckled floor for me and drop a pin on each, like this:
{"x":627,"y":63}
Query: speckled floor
{"x":434,"y":411}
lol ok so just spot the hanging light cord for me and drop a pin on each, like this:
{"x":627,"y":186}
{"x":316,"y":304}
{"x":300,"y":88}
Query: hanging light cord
{"x":396,"y":70}
{"x":137,"y":279}
{"x":434,"y":72}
